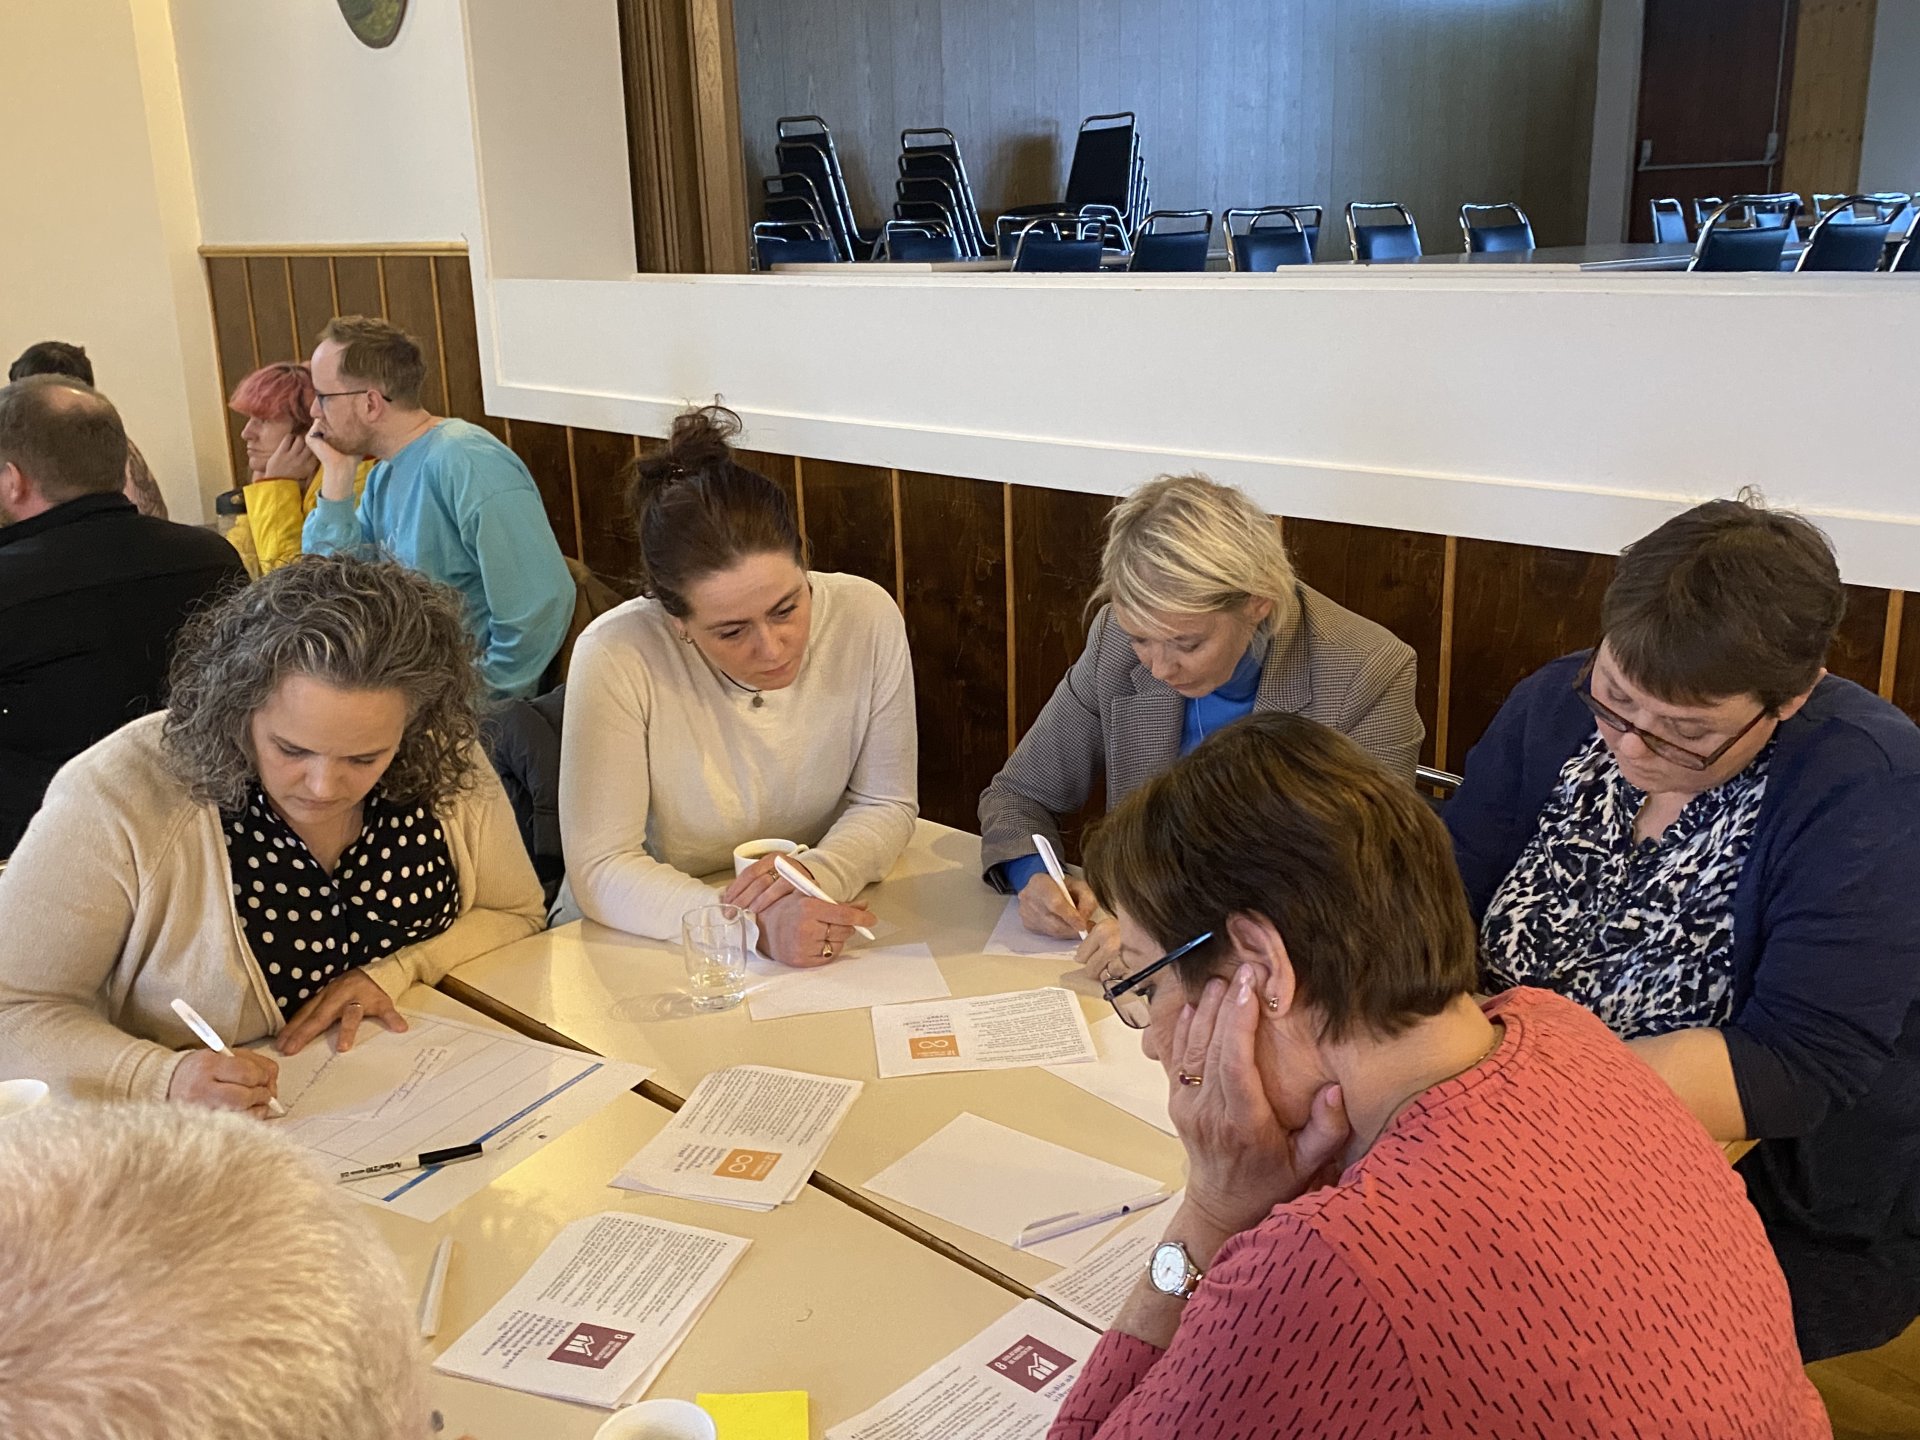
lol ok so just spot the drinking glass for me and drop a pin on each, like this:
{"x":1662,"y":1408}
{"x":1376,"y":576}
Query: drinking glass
{"x":713,"y":940}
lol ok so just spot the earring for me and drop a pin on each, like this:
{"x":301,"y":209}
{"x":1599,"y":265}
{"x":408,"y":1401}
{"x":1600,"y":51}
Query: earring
{"x":685,"y":638}
{"x":1273,"y":1004}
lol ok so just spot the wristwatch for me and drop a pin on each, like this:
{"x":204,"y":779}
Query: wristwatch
{"x":1171,"y":1271}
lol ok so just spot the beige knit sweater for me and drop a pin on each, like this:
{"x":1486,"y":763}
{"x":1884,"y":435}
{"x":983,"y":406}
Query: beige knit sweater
{"x":119,"y":900}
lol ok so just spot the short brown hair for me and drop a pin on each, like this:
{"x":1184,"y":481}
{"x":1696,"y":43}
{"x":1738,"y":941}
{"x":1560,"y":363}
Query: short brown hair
{"x":380,"y":353}
{"x":1727,"y":599}
{"x":699,"y":511}
{"x":63,"y":435}
{"x":1278,"y":816}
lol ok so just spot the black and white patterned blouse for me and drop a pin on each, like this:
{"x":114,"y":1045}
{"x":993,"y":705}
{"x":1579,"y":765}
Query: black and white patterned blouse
{"x":394,"y":886}
{"x":1641,"y":934}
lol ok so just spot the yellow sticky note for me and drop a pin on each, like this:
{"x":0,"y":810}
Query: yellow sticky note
{"x":770,"y":1415}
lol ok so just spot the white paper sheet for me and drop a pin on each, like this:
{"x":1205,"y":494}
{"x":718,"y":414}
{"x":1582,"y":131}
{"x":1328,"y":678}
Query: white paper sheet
{"x":1010,"y":937}
{"x":601,"y":1311}
{"x":1007,"y":1383}
{"x":1096,"y":1287}
{"x":440,"y":1083}
{"x":982,"y":1032}
{"x":747,"y":1136}
{"x":1123,"y":1075}
{"x":997,"y":1181}
{"x":857,"y":981}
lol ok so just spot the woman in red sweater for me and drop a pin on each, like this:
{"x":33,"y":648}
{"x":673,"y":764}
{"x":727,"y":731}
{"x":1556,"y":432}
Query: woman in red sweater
{"x":1408,"y":1212}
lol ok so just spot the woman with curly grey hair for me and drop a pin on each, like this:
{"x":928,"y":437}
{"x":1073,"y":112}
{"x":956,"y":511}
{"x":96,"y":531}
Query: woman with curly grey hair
{"x":309,"y":829}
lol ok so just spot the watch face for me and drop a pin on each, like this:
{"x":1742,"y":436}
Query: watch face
{"x":1170,"y":1268}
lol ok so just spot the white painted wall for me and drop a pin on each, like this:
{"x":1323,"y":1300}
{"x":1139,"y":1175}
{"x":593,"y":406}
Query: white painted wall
{"x":1890,"y":154}
{"x":1616,"y":119}
{"x":99,"y":243}
{"x":302,"y":135}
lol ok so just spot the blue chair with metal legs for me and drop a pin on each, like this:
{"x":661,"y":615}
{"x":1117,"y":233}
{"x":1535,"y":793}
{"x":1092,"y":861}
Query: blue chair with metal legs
{"x":1271,"y":236}
{"x":1669,"y":223}
{"x":787,"y":242}
{"x":1906,"y":257}
{"x":1513,"y":233}
{"x":1748,"y":232}
{"x":911,"y":240}
{"x":1852,"y":234}
{"x":1371,"y":242}
{"x":1059,"y":246}
{"x":1171,"y":240}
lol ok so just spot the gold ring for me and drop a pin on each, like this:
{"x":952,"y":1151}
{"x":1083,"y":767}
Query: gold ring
{"x":1186,"y":1079}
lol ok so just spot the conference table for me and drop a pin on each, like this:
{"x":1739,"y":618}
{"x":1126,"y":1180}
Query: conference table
{"x":826,"y":1299}
{"x":624,"y":997}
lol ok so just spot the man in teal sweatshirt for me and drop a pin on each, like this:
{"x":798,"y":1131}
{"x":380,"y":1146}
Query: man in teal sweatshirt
{"x":445,"y":498}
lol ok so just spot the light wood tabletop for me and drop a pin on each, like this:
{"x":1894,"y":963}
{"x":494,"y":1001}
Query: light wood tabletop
{"x":625,"y":997}
{"x":828,"y":1300}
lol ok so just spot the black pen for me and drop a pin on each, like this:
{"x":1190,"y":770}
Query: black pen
{"x":426,"y":1160}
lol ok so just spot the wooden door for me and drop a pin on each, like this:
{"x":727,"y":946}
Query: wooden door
{"x":1715,"y":76}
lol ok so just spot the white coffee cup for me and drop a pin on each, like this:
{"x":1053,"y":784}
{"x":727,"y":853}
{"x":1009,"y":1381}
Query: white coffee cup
{"x":17,"y":1096}
{"x":745,"y":855}
{"x":659,"y":1420}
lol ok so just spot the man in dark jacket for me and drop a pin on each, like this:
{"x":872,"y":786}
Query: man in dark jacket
{"x":91,"y":591}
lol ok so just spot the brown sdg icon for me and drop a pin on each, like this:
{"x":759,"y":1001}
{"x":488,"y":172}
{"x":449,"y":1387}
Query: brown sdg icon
{"x":593,"y":1346}
{"x":1030,"y":1362}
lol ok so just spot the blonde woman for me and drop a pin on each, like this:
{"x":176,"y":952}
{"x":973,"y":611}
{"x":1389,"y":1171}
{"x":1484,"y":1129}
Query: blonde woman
{"x":307,"y":830}
{"x":1203,"y":622}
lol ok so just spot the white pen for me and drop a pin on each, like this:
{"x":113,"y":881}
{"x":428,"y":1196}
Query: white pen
{"x":210,"y":1038}
{"x":1059,"y":874}
{"x":436,"y":1286}
{"x":1054,"y":1226}
{"x":797,"y":878}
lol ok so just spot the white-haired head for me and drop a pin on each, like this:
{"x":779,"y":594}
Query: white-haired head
{"x":1187,"y":545}
{"x":172,"y":1273}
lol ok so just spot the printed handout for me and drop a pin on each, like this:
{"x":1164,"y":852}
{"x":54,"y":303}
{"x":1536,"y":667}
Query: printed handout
{"x":437,"y":1084}
{"x":601,"y":1311}
{"x":1095,"y":1288}
{"x":1007,"y":1383}
{"x":982,"y":1032}
{"x":747,"y":1136}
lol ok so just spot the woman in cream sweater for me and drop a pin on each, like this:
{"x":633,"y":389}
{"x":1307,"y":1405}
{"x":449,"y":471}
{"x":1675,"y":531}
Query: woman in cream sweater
{"x":744,"y":698}
{"x":307,"y":831}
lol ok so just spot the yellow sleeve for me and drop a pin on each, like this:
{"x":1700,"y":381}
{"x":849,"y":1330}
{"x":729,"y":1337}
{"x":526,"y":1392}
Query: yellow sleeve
{"x":240,"y":536}
{"x":274,"y":514}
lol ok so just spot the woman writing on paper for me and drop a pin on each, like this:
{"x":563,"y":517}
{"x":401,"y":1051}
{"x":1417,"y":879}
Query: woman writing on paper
{"x":1204,"y":622}
{"x":307,"y":830}
{"x":1408,"y":1212}
{"x":743,"y":697}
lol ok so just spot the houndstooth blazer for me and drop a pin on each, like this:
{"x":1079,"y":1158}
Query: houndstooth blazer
{"x":1109,"y":715}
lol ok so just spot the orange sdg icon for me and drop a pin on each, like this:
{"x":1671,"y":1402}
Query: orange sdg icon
{"x":934,"y":1047}
{"x":748,"y":1164}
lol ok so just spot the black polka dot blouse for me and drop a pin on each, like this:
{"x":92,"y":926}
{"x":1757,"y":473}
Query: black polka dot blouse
{"x":395,"y":886}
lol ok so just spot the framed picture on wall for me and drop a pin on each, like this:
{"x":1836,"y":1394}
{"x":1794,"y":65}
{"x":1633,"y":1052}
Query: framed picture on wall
{"x":376,"y":22}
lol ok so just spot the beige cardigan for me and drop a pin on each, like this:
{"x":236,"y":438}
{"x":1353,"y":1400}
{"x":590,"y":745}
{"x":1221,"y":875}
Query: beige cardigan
{"x":119,"y":899}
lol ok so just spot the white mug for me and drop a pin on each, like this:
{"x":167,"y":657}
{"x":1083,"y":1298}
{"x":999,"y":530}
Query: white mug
{"x":659,"y":1420}
{"x":17,"y":1096}
{"x":752,"y":850}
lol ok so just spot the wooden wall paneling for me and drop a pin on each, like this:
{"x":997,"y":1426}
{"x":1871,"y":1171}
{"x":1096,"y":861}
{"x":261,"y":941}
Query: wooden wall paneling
{"x":1054,"y":561}
{"x":607,"y":541}
{"x":954,"y":560}
{"x":1394,"y":578}
{"x":1515,"y":608}
{"x":356,"y":283}
{"x":777,"y":468}
{"x":543,"y":450}
{"x":849,"y":519}
{"x":312,"y":277}
{"x":1827,"y":115}
{"x":1906,"y":674}
{"x":1860,"y":642}
{"x":411,"y":305}
{"x":272,"y":293}
{"x":459,"y":336}
{"x":233,"y":338}
{"x":714,"y":60}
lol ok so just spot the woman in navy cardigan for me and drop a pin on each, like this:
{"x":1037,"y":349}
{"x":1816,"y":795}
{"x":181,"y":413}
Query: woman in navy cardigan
{"x":1698,"y":833}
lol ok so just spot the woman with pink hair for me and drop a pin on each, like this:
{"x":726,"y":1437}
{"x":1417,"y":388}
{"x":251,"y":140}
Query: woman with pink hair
{"x":277,"y":400}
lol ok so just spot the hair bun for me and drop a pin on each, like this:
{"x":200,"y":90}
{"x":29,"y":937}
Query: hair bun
{"x":700,"y":442}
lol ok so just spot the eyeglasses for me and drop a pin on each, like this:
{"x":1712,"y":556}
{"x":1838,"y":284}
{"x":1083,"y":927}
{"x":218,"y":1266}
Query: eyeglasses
{"x":1674,"y":754}
{"x":1134,"y":1009}
{"x":325,"y":395}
